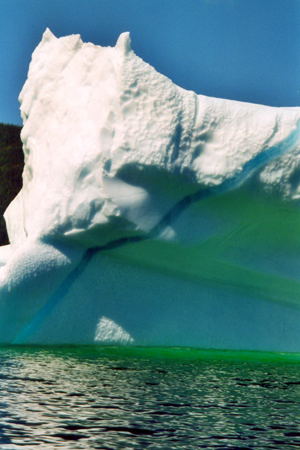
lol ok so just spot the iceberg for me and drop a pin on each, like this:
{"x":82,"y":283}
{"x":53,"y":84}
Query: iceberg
{"x":149,"y":215}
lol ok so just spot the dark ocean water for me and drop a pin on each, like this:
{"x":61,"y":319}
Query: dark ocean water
{"x":110,"y":398}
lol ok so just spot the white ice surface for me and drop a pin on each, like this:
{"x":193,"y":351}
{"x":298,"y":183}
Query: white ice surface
{"x":108,"y":332}
{"x":111,"y":148}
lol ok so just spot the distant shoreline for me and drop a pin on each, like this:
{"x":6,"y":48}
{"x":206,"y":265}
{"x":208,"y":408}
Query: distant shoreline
{"x":11,"y":168}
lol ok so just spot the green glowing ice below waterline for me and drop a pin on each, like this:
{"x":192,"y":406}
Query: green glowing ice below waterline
{"x":165,"y":353}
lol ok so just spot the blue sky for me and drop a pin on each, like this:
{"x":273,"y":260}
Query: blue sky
{"x":240,"y":49}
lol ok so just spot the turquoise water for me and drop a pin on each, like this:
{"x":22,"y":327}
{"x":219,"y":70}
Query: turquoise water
{"x":158,"y":398}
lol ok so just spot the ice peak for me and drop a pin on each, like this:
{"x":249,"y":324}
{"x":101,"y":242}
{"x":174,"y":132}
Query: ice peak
{"x":124,"y":42}
{"x":48,"y":35}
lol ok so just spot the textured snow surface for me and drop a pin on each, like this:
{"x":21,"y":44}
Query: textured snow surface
{"x":115,"y":154}
{"x":109,"y":332}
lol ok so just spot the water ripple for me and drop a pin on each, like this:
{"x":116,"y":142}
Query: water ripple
{"x":81,"y":398}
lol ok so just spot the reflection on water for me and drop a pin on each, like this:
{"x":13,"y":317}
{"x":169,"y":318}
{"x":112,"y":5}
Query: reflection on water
{"x":88,"y":397}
